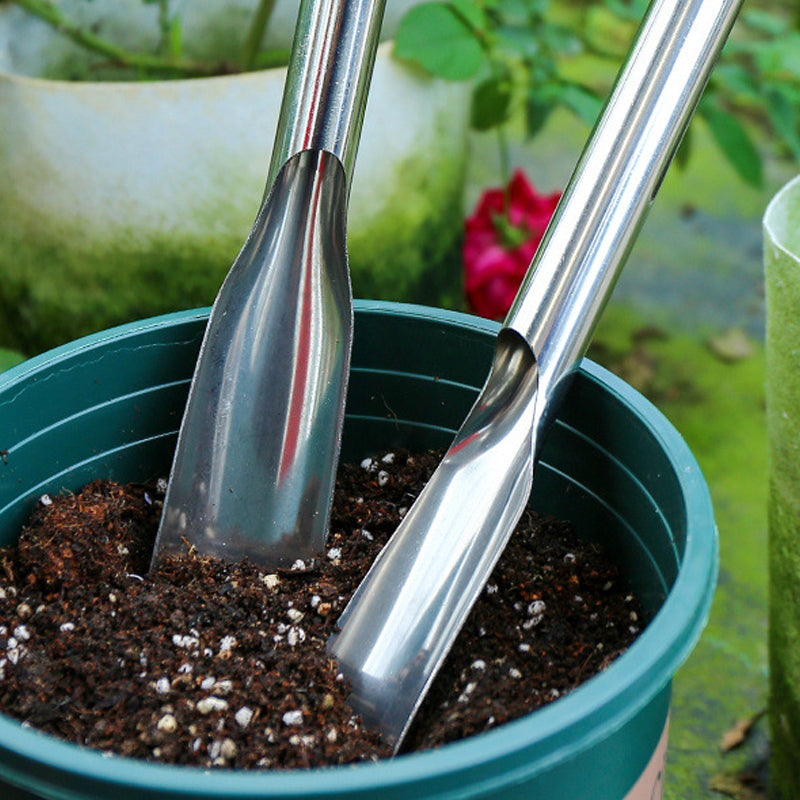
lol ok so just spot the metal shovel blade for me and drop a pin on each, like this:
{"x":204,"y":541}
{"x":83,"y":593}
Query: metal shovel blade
{"x":479,"y":490}
{"x":255,"y":462}
{"x":404,"y":618}
{"x":256,"y":459}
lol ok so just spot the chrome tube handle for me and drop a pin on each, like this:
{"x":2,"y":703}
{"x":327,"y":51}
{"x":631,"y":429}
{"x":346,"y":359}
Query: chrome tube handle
{"x":328,"y":80}
{"x":620,"y":171}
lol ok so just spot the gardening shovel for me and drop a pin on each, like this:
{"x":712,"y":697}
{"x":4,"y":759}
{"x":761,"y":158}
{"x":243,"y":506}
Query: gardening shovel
{"x":405,"y":615}
{"x":257,"y":451}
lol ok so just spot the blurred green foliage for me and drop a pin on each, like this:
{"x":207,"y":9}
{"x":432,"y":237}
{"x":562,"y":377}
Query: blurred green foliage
{"x":529,"y":57}
{"x":167,"y":59}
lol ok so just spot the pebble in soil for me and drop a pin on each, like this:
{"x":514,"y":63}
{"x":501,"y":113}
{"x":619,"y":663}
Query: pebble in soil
{"x":208,"y":663}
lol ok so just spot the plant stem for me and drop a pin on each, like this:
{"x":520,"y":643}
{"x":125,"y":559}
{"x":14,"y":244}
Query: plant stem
{"x":255,"y":34}
{"x":163,"y":25}
{"x":170,"y":46}
{"x":47,"y":12}
{"x":505,"y":165}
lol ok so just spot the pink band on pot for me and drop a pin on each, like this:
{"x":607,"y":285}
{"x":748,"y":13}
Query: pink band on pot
{"x":650,"y":785}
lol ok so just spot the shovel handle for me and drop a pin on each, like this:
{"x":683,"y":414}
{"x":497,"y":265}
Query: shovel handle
{"x":614,"y":184}
{"x":328,"y":80}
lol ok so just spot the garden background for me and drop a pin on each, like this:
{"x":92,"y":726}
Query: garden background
{"x":686,"y":328}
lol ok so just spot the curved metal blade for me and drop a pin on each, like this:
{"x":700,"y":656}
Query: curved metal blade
{"x":403,"y":619}
{"x":256,"y":458}
{"x":419,"y":591}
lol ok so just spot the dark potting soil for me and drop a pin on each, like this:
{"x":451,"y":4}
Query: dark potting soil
{"x":215,"y":664}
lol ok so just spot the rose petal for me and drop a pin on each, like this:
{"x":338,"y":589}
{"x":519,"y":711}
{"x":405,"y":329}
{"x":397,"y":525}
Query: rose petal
{"x":493,"y":269}
{"x":493,"y":261}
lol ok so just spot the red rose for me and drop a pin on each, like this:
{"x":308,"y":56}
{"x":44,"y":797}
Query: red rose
{"x":500,"y":239}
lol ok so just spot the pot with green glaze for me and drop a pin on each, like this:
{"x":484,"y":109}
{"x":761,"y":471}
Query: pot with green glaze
{"x":109,"y":405}
{"x":123,"y":199}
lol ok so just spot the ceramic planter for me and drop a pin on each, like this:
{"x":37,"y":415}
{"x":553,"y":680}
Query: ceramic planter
{"x":119,"y":200}
{"x":109,"y":406}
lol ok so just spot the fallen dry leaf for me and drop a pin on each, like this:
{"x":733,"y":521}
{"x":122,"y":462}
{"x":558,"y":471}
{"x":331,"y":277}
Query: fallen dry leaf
{"x":731,"y":786}
{"x":737,"y":735}
{"x":731,"y":345}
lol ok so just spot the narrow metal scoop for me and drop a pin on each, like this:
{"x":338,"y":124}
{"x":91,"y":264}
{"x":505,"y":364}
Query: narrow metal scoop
{"x":407,"y":612}
{"x":256,"y":458}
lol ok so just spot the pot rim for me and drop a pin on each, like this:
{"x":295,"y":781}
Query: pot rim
{"x":773,"y":220}
{"x":546,"y":735}
{"x":157,"y":86}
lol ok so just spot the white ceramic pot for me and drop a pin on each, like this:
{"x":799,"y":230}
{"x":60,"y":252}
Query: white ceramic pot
{"x":121,"y":199}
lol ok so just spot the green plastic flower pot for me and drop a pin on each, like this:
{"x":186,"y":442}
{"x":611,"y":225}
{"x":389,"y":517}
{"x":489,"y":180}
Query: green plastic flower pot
{"x":109,"y":405}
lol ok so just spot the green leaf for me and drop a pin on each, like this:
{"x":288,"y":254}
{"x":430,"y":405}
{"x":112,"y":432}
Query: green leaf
{"x":783,"y":115}
{"x":734,"y":78}
{"x":780,"y":58}
{"x":764,"y":21}
{"x":631,"y":10}
{"x":735,"y":143}
{"x":436,"y":38}
{"x":490,"y":104}
{"x":586,"y":105}
{"x":560,"y":39}
{"x":521,"y":40}
{"x":609,"y":32}
{"x":538,"y":7}
{"x":539,"y":103}
{"x":514,"y":12}
{"x":471,"y":13}
{"x":510,"y":235}
{"x":536,"y":115}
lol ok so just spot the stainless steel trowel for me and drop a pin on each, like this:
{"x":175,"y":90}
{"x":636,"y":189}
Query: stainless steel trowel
{"x":256,"y":459}
{"x":405,"y":615}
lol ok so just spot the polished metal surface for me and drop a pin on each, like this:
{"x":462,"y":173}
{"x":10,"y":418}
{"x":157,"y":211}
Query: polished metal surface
{"x":615,"y":182}
{"x":405,"y":615}
{"x":256,"y":459}
{"x":328,"y":80}
{"x":257,"y":451}
{"x":407,"y":612}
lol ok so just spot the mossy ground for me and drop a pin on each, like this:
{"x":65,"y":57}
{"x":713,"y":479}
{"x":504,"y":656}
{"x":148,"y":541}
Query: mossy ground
{"x":8,"y":358}
{"x":718,"y":406}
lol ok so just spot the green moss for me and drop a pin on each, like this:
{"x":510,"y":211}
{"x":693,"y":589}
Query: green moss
{"x":61,"y":284}
{"x":8,"y":358}
{"x":65,"y":275}
{"x":718,"y":407}
{"x":783,"y":427}
{"x":410,"y":251}
{"x":64,"y":278}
